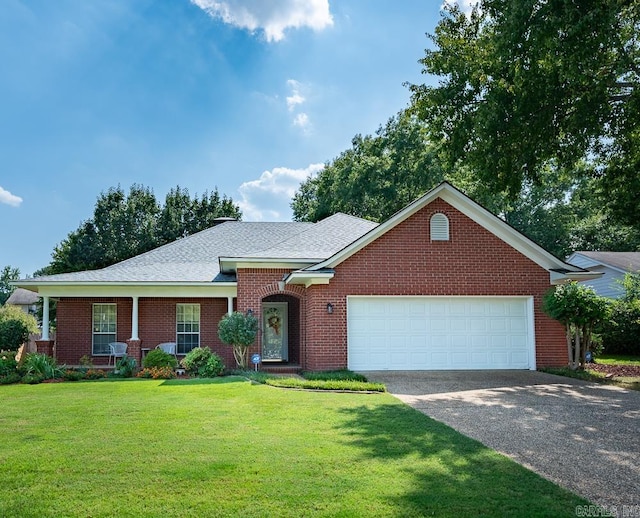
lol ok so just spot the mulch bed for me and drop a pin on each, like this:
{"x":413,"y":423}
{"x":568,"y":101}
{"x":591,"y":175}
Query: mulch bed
{"x":616,"y":370}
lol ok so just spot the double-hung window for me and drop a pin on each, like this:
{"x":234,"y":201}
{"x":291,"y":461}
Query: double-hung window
{"x":104,"y":327}
{"x":187,"y":327}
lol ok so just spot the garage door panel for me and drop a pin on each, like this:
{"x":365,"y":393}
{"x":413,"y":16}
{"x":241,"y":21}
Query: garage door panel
{"x":414,"y":333}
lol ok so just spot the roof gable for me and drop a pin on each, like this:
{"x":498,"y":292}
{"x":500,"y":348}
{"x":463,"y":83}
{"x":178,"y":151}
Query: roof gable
{"x":474,"y":211}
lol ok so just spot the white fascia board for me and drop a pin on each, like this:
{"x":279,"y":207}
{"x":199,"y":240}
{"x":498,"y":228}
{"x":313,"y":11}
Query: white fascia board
{"x":562,"y":277}
{"x":309,"y":278}
{"x":231,"y":264}
{"x":199,"y":290}
{"x":471,"y":209}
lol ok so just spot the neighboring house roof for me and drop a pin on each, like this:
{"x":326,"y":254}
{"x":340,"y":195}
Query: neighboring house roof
{"x":22,"y":297}
{"x":622,"y":261}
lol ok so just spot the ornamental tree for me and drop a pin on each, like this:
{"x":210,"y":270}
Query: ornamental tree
{"x":579,"y":309}
{"x":239,"y":331}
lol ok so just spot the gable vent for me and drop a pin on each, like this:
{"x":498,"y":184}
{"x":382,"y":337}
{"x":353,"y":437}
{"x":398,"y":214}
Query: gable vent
{"x":439,"y":227}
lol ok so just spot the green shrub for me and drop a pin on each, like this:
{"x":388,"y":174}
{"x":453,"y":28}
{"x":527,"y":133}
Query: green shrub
{"x":73,"y":375}
{"x":13,"y":333}
{"x":157,"y":373}
{"x":203,"y":363}
{"x":15,"y":327}
{"x":32,"y":379}
{"x":621,"y":333}
{"x":8,"y":363}
{"x":343,"y":385}
{"x":125,"y":367}
{"x":159,"y":358}
{"x":343,"y":374}
{"x":9,"y":379}
{"x":239,"y":331}
{"x":37,"y":364}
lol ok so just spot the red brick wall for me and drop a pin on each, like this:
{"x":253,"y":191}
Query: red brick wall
{"x":402,"y":262}
{"x":255,"y":285}
{"x":405,"y":261}
{"x":156,"y":324}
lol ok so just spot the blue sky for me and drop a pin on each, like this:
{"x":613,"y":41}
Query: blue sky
{"x":248,"y":96}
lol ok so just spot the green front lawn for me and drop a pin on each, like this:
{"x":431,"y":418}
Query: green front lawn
{"x":618,"y":359}
{"x":231,"y":448}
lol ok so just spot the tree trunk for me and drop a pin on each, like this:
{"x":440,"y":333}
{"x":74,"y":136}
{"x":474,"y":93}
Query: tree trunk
{"x":569,"y":348}
{"x":577,"y":351}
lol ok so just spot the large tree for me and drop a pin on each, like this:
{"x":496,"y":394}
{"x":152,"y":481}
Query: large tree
{"x":378,"y":175}
{"x":124,"y":225}
{"x":7,"y":274}
{"x":382,"y":173}
{"x":532,"y":84}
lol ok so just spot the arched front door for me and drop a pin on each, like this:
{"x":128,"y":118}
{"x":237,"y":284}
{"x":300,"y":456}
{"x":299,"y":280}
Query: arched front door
{"x":275,"y":324}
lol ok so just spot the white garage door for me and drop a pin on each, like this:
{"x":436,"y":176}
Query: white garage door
{"x":438,"y":333}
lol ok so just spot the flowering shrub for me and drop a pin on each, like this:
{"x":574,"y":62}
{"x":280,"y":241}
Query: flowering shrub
{"x":95,"y":374}
{"x":157,"y":373}
{"x":159,"y":358}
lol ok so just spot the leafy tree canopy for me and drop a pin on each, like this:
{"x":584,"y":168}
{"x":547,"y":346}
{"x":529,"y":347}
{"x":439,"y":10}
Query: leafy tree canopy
{"x":527,"y":85}
{"x":124,"y":225}
{"x":7,"y":275}
{"x":382,"y":173}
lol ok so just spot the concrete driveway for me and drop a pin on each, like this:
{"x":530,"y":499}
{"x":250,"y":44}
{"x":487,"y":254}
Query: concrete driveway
{"x":582,"y":436}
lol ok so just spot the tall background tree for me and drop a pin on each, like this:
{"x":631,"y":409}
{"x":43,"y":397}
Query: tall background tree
{"x":7,"y":275}
{"x":124,"y":225}
{"x":529,"y":85}
{"x":382,"y":173}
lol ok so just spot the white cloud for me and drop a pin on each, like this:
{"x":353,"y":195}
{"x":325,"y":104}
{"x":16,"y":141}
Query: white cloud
{"x":296,"y":97}
{"x":464,"y":5}
{"x":9,"y":199}
{"x":294,"y":101}
{"x":268,"y":197}
{"x":273,"y":17}
{"x":301,"y":120}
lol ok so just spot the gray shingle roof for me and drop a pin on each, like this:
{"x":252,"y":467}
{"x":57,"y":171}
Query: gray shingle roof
{"x":195,"y":258}
{"x":629,"y":261}
{"x":22,"y":297}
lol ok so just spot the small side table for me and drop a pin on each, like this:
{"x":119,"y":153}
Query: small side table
{"x":143,"y":353}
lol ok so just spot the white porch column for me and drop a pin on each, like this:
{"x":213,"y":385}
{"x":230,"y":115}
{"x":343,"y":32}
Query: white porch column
{"x":134,"y":319}
{"x":45,"y":318}
{"x":229,"y":305}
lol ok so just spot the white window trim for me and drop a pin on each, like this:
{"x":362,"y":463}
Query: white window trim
{"x":178,"y":333}
{"x":94,"y":333}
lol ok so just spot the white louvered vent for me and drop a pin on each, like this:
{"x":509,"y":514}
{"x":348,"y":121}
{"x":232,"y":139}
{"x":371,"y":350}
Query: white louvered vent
{"x":439,"y":227}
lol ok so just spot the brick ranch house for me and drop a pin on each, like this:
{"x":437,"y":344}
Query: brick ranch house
{"x":442,"y":284}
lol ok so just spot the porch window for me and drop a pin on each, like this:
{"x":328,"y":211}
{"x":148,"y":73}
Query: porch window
{"x":104,"y":327}
{"x":188,"y":327}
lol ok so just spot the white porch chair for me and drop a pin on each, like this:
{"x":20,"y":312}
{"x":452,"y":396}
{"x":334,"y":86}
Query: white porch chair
{"x":117,"y":350}
{"x":169,"y":348}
